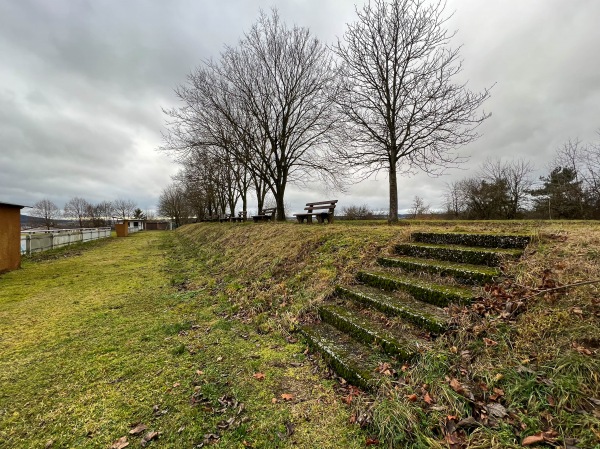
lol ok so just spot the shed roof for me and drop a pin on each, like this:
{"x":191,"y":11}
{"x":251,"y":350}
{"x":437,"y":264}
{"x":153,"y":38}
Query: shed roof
{"x":12,"y":205}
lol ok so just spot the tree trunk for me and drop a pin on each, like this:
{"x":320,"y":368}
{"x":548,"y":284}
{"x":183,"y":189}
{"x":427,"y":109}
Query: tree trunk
{"x":393,"y":216}
{"x":280,"y":204}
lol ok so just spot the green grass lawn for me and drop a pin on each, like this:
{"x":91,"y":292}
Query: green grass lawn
{"x":96,"y":339}
{"x":190,"y":333}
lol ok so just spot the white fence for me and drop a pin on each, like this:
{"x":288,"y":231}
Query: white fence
{"x":36,"y":241}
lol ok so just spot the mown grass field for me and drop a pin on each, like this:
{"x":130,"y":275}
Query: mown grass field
{"x":176,"y":330}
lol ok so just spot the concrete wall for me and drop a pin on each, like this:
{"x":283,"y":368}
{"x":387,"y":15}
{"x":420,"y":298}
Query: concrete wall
{"x":10,"y":231}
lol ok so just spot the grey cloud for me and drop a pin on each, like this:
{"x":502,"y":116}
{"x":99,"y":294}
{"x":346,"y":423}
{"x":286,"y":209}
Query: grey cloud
{"x":82,"y":84}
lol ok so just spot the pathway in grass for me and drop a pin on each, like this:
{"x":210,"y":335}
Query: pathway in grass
{"x":98,"y":339}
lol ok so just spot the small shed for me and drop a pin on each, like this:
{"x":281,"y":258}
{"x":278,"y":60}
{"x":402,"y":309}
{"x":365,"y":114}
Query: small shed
{"x":10,"y":236}
{"x":122,"y":228}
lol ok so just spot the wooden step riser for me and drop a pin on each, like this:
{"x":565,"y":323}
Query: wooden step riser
{"x":422,"y":320}
{"x":481,"y":240}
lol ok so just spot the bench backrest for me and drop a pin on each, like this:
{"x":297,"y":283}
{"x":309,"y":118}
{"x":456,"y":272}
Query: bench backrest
{"x":330,"y":204}
{"x":269,"y":211}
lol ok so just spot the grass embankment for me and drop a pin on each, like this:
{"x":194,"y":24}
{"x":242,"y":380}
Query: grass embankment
{"x":176,"y":330}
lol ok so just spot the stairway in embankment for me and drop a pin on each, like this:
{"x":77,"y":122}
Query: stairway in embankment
{"x":393,"y":310}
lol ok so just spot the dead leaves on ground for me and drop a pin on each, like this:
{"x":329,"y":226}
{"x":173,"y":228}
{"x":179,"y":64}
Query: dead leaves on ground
{"x":136,"y":430}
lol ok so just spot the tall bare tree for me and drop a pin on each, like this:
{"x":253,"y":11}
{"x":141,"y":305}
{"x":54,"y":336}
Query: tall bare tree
{"x":454,"y":198}
{"x":401,"y":105}
{"x":47,"y":211}
{"x":77,"y":208}
{"x":268,"y":101}
{"x":419,"y":207}
{"x":516,"y":175}
{"x":124,"y":208}
{"x":172,"y":203}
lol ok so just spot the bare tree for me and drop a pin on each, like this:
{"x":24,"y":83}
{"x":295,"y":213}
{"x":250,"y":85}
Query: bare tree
{"x":419,"y":207}
{"x":124,"y":208}
{"x":454,"y":198}
{"x":401,"y":106}
{"x":516,"y":174}
{"x":172,"y":203}
{"x":268,"y":101}
{"x":104,"y":210}
{"x":47,"y":211}
{"x":77,"y":208}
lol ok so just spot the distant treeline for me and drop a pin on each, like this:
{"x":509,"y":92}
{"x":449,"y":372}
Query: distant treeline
{"x":82,"y":213}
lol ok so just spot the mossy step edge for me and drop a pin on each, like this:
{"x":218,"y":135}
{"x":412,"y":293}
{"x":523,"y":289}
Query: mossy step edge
{"x":438,"y":295}
{"x":464,"y":274}
{"x":481,"y":240}
{"x":418,"y":317}
{"x":468,"y":255}
{"x":360,"y":330}
{"x":341,"y":364}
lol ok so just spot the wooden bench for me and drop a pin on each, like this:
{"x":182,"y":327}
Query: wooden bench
{"x":326,"y":214}
{"x":267,"y":214}
{"x":225,"y":218}
{"x":241,"y":216}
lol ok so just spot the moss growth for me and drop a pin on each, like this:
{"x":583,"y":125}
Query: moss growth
{"x":483,"y":240}
{"x":436,"y":294}
{"x":464,"y":273}
{"x":473,"y":256}
{"x":369,"y":332}
{"x":352,"y":361}
{"x":408,"y":308}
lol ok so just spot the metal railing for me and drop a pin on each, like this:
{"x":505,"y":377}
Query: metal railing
{"x":37,"y":241}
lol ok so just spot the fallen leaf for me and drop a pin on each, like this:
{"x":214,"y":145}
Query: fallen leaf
{"x":372,"y":442}
{"x":427,"y":398}
{"x":411,"y":397}
{"x":120,"y":443}
{"x":176,"y":384}
{"x":199,"y":373}
{"x":152,"y":435}
{"x":287,"y":397}
{"x":139,"y":428}
{"x":274,"y":401}
{"x":581,"y":349}
{"x":489,"y":342}
{"x":258,"y":376}
{"x":533,"y":439}
{"x":496,"y":410}
{"x":456,"y":386}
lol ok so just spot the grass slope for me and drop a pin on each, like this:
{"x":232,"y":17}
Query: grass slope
{"x":169,"y":329}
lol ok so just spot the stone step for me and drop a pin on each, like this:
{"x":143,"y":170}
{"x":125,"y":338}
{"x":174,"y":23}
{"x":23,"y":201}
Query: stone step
{"x":365,"y":330}
{"x":481,"y":240}
{"x":429,"y":317}
{"x":350,"y":359}
{"x":463,"y":273}
{"x":433,"y":293}
{"x":459,"y":254}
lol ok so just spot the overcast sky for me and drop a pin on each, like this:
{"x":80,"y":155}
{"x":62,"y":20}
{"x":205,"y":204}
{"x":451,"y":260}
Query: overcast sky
{"x":82,"y":85}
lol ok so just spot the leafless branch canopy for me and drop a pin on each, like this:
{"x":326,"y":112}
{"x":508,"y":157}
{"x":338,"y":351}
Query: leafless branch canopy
{"x":403,"y":111}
